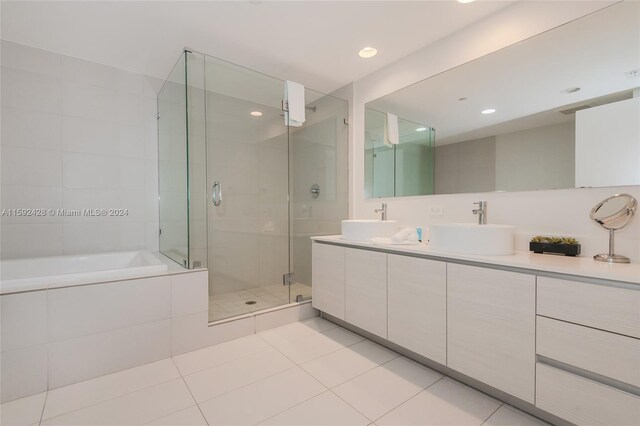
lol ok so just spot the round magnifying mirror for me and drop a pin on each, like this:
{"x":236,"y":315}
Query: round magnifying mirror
{"x":614,"y":213}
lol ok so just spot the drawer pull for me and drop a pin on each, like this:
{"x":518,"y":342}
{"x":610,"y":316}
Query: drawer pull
{"x":594,"y":377}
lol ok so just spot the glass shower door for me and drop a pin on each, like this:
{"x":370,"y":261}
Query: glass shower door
{"x":318,"y":164}
{"x":181,"y":163}
{"x":173,"y":165}
{"x":248,"y":190}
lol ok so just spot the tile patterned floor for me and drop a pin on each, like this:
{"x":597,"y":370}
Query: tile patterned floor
{"x":227,"y":305}
{"x":305,"y":373}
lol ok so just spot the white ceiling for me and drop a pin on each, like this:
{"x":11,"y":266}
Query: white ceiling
{"x":313,"y":42}
{"x":528,"y":78}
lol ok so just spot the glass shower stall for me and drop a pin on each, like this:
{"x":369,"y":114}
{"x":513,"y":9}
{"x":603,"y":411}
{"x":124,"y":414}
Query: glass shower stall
{"x":241,"y":192}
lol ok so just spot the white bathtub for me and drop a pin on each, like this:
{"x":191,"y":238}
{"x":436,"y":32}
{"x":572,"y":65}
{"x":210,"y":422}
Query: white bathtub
{"x":63,"y":271}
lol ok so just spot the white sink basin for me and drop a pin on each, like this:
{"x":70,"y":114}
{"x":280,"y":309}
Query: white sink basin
{"x":471,"y":238}
{"x":365,"y":230}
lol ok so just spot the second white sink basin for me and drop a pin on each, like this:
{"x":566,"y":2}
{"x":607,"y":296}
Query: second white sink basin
{"x":365,"y":230}
{"x":471,"y":238}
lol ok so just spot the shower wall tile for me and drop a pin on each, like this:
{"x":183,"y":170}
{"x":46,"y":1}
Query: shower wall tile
{"x":132,"y":141}
{"x":82,"y":170}
{"x":31,"y":129}
{"x":31,"y":197}
{"x":132,"y":234}
{"x":30,"y":167}
{"x":76,"y":135}
{"x":82,"y":238}
{"x":87,"y":101}
{"x":30,"y":240}
{"x":79,"y":71}
{"x":79,"y":238}
{"x":89,"y":136}
{"x":29,"y":91}
{"x":151,"y":236}
{"x":130,"y":109}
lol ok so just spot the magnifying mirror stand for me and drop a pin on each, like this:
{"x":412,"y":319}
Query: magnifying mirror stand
{"x":610,"y":257}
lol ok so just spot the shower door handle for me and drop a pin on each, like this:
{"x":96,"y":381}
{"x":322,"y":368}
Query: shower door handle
{"x":217,"y":193}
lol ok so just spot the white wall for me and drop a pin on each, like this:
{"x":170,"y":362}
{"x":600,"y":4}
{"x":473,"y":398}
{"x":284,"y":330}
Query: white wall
{"x":608,"y":144}
{"x":542,"y":157}
{"x":562,"y":212}
{"x":468,"y":166}
{"x":76,"y":135}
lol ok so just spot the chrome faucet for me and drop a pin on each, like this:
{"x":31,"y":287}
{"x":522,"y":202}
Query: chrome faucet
{"x":481,"y":211}
{"x":382,"y":210}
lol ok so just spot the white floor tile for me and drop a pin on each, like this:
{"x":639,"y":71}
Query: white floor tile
{"x":73,"y":397}
{"x":212,"y":356}
{"x":189,"y":417}
{"x":510,"y":416}
{"x":133,"y":409}
{"x":380,"y":390}
{"x":322,"y":410}
{"x":445,"y":403}
{"x":316,"y":345}
{"x":230,"y":304}
{"x":23,"y":411}
{"x":246,"y":381}
{"x":347,"y":363}
{"x":261,"y":400}
{"x":296,"y":330}
{"x":235,"y":374}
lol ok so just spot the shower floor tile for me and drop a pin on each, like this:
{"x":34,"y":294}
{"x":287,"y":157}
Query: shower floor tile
{"x":231,"y":304}
{"x":256,"y":380}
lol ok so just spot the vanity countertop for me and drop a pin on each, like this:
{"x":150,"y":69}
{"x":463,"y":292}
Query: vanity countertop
{"x":582,"y":266}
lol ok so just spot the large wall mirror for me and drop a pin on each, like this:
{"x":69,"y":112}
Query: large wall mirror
{"x":558,"y":110}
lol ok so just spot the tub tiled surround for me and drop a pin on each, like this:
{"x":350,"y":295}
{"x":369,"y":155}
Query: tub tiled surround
{"x":52,"y":338}
{"x":76,"y":134}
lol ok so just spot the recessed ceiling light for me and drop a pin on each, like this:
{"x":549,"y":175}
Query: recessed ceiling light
{"x":488,"y":111}
{"x":256,"y":113}
{"x":465,"y":1}
{"x":421,"y":129}
{"x":368,"y":52}
{"x":462,"y":99}
{"x":572,"y":90}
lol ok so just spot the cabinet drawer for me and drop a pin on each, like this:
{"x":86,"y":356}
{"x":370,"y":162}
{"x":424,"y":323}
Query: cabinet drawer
{"x":600,"y":306}
{"x":601,"y":352}
{"x":582,"y":401}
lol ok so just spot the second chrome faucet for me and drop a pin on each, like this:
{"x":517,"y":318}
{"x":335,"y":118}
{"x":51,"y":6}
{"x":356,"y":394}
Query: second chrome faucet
{"x":382,"y":210}
{"x":481,"y":211}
